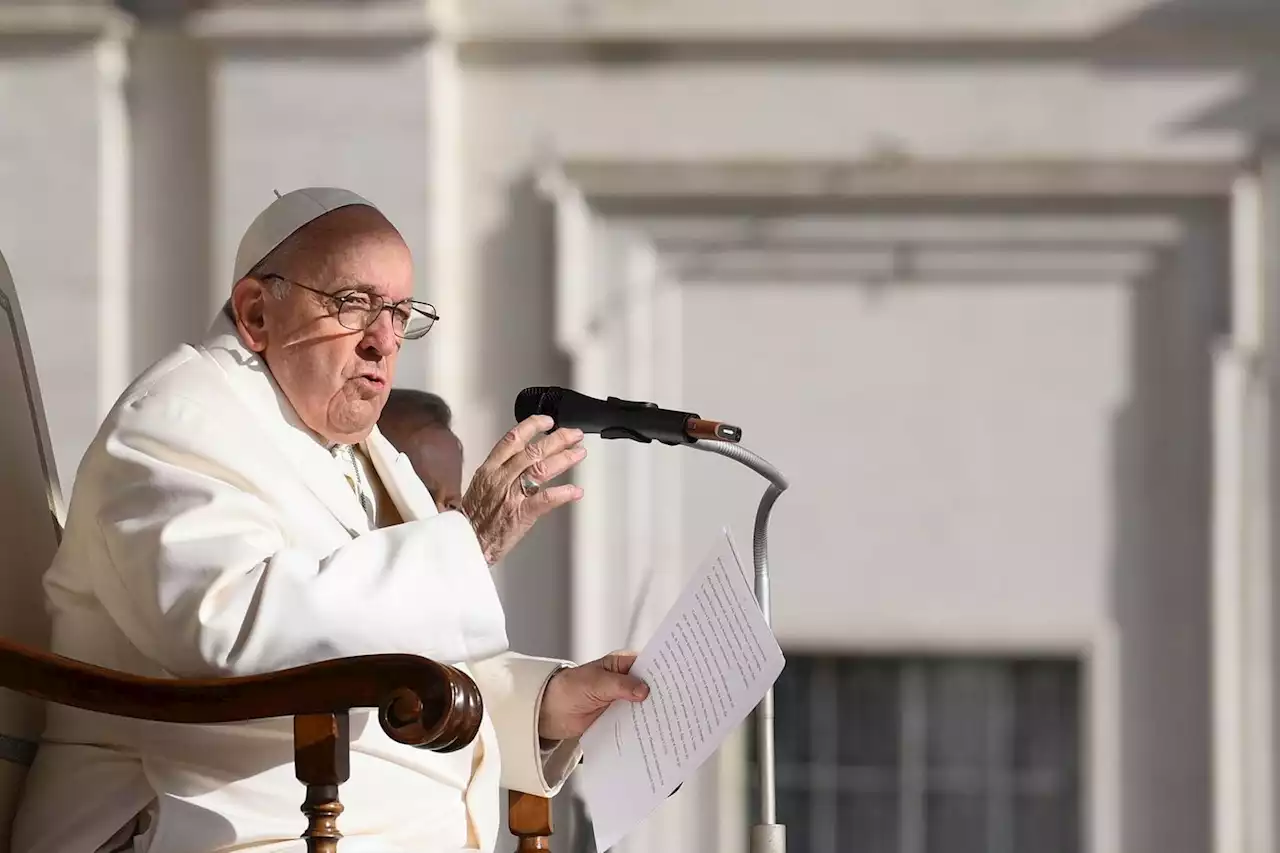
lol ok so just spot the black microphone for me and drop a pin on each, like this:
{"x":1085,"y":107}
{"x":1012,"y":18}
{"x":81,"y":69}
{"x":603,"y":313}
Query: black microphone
{"x":615,"y":418}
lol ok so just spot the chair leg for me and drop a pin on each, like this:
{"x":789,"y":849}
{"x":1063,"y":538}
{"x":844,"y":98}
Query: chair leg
{"x":529,"y":817}
{"x":322,"y":762}
{"x":322,"y":809}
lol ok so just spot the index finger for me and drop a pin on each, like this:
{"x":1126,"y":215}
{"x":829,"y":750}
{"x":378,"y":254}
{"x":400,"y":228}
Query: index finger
{"x":518,"y":437}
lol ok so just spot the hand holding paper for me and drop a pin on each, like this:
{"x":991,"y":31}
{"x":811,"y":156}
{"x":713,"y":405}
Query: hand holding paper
{"x":710,"y":662}
{"x":576,"y":697}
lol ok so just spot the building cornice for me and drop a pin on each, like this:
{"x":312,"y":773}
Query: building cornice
{"x":518,"y":30}
{"x":394,"y":22}
{"x":69,"y":21}
{"x":639,"y":181}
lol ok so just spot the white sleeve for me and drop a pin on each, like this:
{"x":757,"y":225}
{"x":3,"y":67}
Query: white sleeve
{"x":202,"y":577}
{"x":512,"y":685}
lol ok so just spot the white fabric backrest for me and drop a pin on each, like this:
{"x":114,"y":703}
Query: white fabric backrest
{"x":31,"y":515}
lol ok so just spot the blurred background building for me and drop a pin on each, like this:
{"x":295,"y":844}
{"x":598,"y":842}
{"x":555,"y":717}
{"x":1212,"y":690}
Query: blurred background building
{"x":994,"y":283}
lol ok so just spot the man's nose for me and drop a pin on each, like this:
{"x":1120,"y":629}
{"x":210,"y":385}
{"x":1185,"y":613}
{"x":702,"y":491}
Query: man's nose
{"x":381,"y":336}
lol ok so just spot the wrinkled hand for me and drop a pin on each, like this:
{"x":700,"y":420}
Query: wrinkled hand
{"x":500,"y":512}
{"x":576,"y":697}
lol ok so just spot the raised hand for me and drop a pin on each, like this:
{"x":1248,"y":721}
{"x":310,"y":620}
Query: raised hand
{"x":506,"y":495}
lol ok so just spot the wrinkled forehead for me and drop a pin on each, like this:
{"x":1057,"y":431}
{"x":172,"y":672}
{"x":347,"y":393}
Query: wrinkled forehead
{"x":357,"y":248}
{"x":382,"y":267}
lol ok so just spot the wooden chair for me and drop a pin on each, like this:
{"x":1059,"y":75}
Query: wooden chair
{"x":420,"y":702}
{"x":529,"y":818}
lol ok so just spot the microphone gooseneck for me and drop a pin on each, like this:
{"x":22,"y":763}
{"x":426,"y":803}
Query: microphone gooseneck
{"x":645,"y":422}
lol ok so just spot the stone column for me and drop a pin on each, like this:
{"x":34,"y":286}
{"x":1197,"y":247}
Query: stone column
{"x":64,"y":183}
{"x":1247,"y":364}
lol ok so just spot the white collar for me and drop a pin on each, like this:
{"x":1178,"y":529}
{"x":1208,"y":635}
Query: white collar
{"x":252,"y":377}
{"x":253,"y":383}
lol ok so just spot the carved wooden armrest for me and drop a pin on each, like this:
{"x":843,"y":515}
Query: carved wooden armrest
{"x":420,"y":703}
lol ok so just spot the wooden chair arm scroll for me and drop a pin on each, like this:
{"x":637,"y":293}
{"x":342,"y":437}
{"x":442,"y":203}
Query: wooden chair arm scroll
{"x":420,"y":703}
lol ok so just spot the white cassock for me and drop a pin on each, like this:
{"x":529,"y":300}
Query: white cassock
{"x":211,"y":534}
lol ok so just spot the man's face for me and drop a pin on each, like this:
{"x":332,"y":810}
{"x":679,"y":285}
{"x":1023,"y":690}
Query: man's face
{"x":436,"y":456}
{"x":336,"y":379}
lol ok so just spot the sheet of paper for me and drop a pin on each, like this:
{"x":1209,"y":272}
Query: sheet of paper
{"x":707,"y":666}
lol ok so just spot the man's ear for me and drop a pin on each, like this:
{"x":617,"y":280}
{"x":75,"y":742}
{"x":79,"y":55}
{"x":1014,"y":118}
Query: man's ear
{"x":248,"y":305}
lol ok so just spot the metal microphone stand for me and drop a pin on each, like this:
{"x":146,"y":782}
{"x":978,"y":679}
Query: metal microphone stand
{"x":767,"y":836}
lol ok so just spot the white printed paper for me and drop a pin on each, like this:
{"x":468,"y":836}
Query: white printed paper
{"x":708,"y":665}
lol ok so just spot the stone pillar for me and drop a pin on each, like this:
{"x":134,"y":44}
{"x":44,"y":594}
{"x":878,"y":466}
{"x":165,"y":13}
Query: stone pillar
{"x":64,"y":182}
{"x":169,"y":105}
{"x":1246,"y":474}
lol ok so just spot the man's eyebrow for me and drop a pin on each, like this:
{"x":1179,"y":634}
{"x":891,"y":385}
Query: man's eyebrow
{"x":351,"y":286}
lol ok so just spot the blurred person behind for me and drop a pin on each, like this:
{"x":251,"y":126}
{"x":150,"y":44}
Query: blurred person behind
{"x":420,"y":425}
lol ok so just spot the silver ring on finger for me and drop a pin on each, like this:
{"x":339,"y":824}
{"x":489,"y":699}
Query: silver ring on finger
{"x":528,"y":486}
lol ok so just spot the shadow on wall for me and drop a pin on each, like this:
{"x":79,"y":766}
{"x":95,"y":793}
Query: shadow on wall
{"x":1234,"y":36}
{"x":514,"y":348}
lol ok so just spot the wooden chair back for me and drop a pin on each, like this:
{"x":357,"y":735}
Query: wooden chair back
{"x":31,"y":515}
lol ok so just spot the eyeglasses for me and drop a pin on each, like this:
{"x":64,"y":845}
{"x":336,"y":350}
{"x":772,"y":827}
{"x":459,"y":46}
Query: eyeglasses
{"x":357,"y":310}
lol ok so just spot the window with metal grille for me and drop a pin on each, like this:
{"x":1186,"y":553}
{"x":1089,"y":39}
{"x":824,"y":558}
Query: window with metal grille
{"x":928,"y":755}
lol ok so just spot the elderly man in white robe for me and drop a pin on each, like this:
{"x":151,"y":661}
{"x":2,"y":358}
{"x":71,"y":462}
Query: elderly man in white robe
{"x":239,"y":513}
